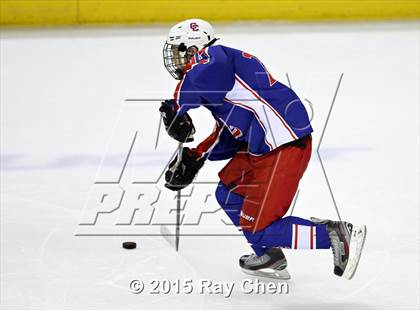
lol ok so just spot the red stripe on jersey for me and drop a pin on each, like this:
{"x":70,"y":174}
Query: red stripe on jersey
{"x":296,"y":236}
{"x":208,"y":143}
{"x":246,"y":55}
{"x":176,"y":94}
{"x":193,"y":59}
{"x":312,"y":237}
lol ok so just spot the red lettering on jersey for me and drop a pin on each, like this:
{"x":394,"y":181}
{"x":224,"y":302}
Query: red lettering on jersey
{"x":236,"y":132}
{"x":270,"y":78}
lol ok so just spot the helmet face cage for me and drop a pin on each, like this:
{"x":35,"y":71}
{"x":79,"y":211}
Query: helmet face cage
{"x":175,"y":57}
{"x":174,"y":60}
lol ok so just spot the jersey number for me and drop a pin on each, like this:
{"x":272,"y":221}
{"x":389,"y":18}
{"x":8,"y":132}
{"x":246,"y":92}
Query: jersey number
{"x":271,"y":80}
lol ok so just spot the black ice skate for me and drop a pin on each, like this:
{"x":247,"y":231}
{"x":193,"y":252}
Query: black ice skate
{"x":272,"y":264}
{"x":347,"y":244}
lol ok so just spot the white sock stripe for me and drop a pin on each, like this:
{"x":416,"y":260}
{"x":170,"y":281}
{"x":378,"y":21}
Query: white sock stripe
{"x":293,"y":237}
{"x":303,"y":237}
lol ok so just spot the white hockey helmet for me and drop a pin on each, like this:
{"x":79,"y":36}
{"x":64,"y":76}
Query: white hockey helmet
{"x":184,"y":35}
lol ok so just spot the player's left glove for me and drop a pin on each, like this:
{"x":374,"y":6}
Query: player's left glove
{"x":181,"y":174}
{"x":180,"y":128}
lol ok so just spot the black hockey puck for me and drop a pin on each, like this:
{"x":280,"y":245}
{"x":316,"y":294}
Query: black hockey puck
{"x":129,"y":245}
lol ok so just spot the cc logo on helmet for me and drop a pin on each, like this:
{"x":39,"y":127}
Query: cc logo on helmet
{"x":194,"y":26}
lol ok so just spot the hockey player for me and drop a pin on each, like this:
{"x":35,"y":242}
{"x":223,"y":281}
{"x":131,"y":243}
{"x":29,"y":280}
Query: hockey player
{"x":263,"y":128}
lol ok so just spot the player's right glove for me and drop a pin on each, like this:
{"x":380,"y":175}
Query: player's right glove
{"x":180,"y":128}
{"x":181,"y":173}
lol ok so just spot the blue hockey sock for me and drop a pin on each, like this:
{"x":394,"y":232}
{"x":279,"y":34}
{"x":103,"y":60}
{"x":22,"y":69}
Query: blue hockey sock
{"x":290,"y":232}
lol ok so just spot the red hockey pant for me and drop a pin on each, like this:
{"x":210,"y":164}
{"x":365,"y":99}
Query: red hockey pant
{"x":268,"y":183}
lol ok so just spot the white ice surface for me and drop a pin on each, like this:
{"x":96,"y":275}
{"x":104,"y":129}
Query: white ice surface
{"x":63,"y":116}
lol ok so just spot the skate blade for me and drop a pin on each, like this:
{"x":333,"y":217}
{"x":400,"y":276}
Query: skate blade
{"x":357,"y":241}
{"x":269,"y":273}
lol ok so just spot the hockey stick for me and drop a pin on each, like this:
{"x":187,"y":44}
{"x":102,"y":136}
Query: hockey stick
{"x":164,"y":230}
{"x":178,"y":202}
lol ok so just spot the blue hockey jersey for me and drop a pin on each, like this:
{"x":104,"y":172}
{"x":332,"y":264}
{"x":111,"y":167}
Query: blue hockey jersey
{"x":249,"y":105}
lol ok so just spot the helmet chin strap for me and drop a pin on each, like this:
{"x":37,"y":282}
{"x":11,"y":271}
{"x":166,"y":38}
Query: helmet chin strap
{"x":179,"y":73}
{"x":211,"y":42}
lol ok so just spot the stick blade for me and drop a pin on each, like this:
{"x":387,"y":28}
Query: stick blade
{"x":168,"y":236}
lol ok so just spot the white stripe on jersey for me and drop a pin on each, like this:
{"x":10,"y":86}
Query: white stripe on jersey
{"x":276,"y":133}
{"x":257,"y":96}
